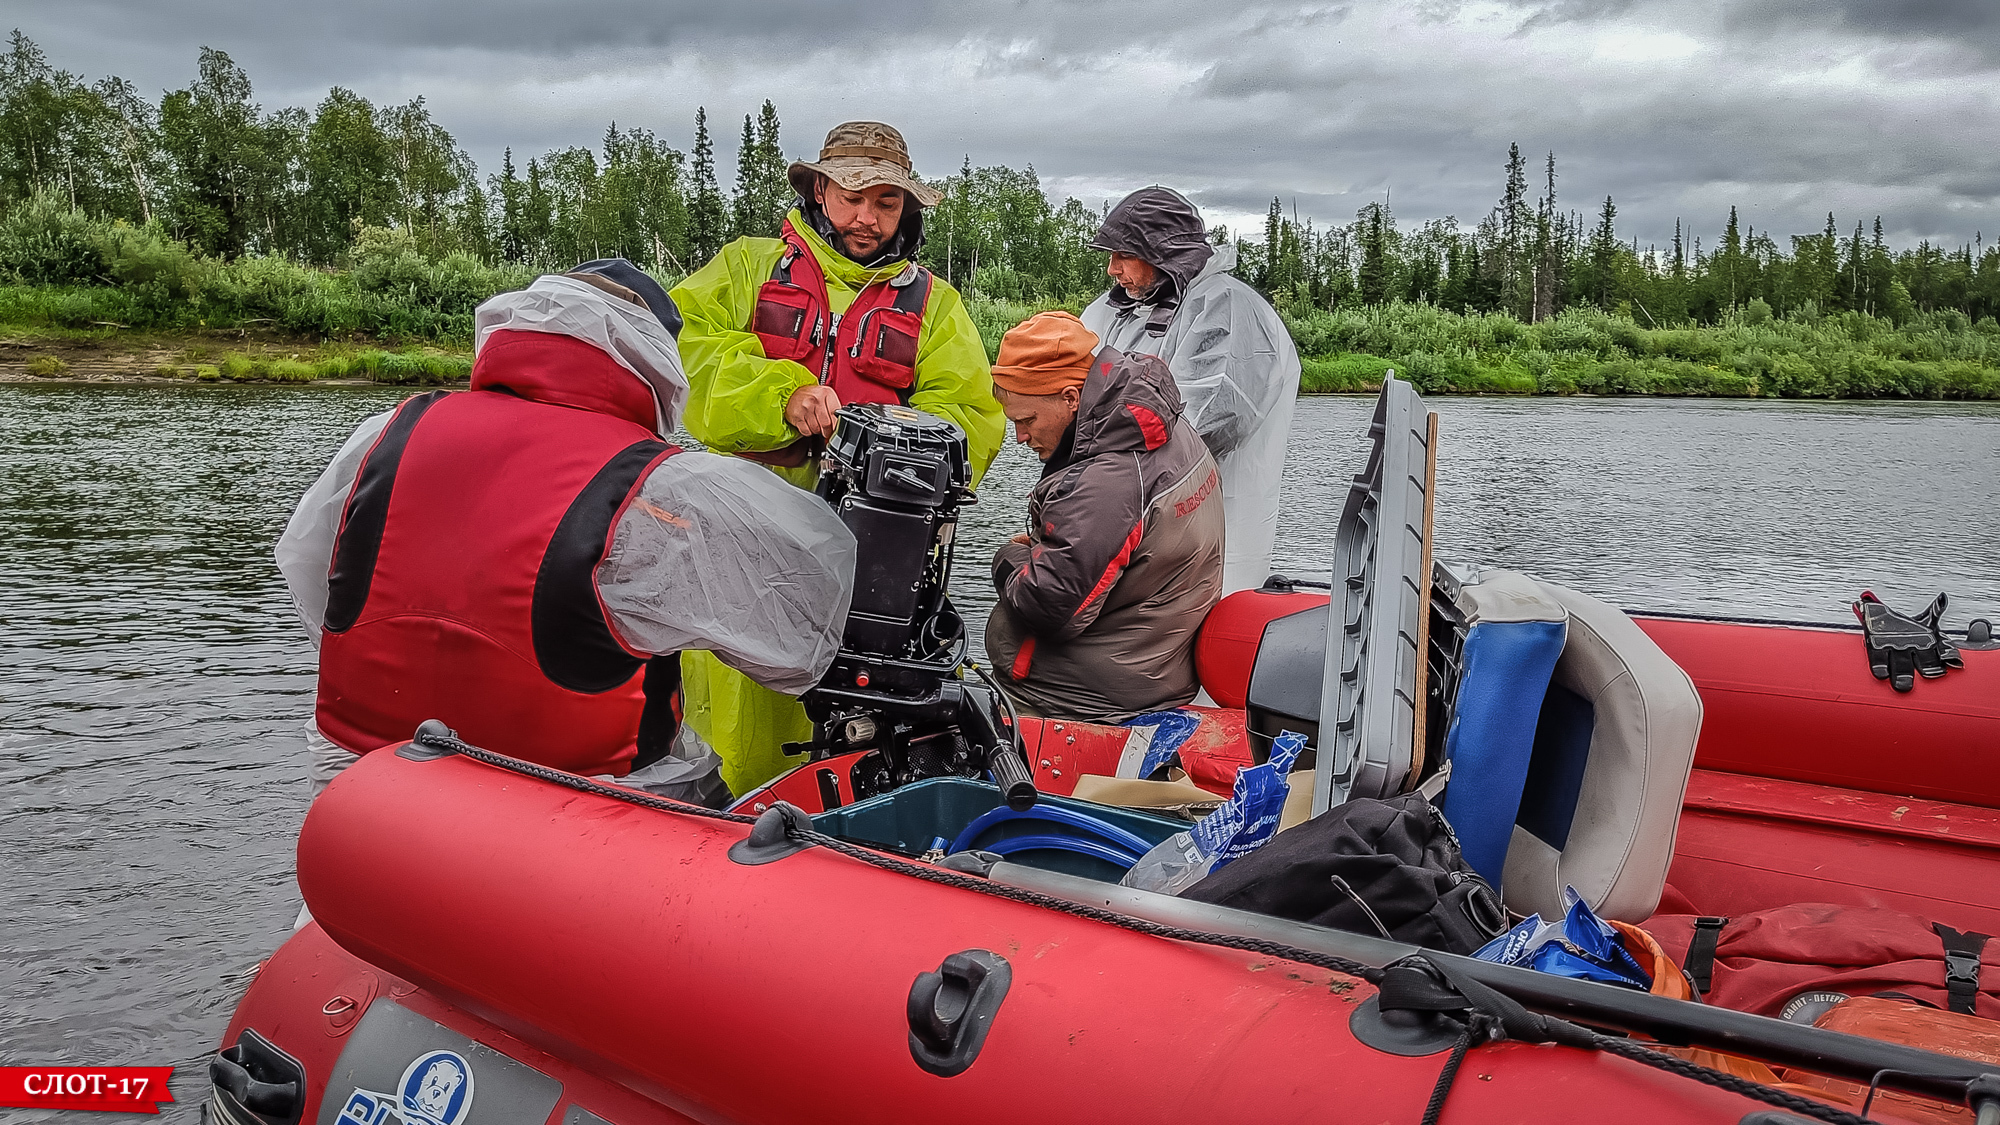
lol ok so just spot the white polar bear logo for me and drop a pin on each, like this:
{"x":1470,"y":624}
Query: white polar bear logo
{"x":437,"y":1086}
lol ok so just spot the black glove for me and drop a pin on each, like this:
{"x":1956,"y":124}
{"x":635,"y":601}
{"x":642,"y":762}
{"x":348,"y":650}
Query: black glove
{"x":1901,"y":647}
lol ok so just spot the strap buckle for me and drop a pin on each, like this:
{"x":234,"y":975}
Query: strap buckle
{"x":1961,"y":969}
{"x":1961,"y":966}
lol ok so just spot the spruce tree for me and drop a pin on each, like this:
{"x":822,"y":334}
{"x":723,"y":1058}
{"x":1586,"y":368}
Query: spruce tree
{"x":508,"y":186}
{"x":743,"y":221}
{"x":1881,"y":273}
{"x":1604,"y":254}
{"x":762,"y":190}
{"x":1548,"y":250}
{"x":708,"y":221}
{"x":1728,"y":261}
{"x":1510,"y":268}
{"x":772,"y":168}
{"x":1374,"y":279}
{"x":1274,"y":220}
{"x":1854,"y":269}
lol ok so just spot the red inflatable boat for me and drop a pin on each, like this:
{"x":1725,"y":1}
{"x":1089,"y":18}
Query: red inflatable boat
{"x":496,"y":942}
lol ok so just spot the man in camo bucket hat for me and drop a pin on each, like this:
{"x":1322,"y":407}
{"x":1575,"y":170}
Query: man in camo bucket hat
{"x":781,"y":332}
{"x":860,"y":155}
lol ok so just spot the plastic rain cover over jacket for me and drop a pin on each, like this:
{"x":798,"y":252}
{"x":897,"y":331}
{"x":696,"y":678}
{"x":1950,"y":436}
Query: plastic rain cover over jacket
{"x":1239,"y":378}
{"x":714,"y":554}
{"x":628,"y":333}
{"x":738,"y":404}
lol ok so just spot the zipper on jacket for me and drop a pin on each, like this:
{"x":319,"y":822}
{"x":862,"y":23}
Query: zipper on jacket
{"x":832,"y":345}
{"x":861,"y":331}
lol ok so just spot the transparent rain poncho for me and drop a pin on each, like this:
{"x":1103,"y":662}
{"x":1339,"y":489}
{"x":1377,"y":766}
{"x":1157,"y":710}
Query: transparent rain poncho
{"x":717,"y":553}
{"x":1238,"y":375}
{"x":714,"y":553}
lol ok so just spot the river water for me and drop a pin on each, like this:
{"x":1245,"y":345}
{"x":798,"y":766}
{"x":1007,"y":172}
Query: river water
{"x":153,"y":680}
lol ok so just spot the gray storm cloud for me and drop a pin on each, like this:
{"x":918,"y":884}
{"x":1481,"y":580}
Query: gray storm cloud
{"x":1785,"y":109}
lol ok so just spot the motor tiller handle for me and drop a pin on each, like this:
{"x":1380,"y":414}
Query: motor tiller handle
{"x":1010,"y":773}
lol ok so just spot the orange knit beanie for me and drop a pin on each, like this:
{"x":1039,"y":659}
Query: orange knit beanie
{"x":1043,"y":354}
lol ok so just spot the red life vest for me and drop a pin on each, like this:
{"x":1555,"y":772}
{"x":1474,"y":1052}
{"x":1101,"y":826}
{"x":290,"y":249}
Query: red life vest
{"x":868,"y":353}
{"x":462,"y":585}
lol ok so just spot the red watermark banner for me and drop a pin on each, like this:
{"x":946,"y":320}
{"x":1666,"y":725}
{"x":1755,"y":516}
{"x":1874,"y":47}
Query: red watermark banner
{"x":112,"y":1089}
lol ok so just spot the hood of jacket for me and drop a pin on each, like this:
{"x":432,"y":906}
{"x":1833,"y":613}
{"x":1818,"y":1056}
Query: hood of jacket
{"x":563,"y":342}
{"x":900,"y":250}
{"x":1129,"y":404}
{"x":1160,"y":227}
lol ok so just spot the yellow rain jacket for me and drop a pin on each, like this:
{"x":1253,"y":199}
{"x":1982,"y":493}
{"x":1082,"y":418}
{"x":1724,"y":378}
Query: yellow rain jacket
{"x":737,"y":404}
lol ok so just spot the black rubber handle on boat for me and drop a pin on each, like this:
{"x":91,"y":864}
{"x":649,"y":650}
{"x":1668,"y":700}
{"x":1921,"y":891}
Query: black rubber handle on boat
{"x":1010,"y":773}
{"x":274,"y":1098}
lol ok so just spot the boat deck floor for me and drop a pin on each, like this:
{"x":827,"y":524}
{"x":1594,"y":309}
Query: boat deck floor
{"x":1751,"y":843}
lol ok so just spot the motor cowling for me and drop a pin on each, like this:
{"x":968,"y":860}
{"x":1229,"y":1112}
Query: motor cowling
{"x":899,"y":685}
{"x":897,"y":477}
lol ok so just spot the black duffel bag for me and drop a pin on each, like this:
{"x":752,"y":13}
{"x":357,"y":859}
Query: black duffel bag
{"x":1390,"y":868}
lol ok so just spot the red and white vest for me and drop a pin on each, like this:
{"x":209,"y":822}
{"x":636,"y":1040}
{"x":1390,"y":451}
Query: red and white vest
{"x":462,"y":586}
{"x":868,"y":353}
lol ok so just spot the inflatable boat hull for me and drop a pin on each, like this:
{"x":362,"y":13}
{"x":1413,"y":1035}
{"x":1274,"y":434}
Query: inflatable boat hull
{"x":624,"y":946}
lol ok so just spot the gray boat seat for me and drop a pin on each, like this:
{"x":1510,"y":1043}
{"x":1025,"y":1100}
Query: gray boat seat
{"x":1612,"y":754}
{"x":1571,"y":740}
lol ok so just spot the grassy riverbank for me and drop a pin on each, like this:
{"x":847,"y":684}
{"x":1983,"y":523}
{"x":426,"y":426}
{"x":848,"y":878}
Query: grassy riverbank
{"x":1750,"y":353}
{"x":399,"y":318}
{"x":219,"y":356}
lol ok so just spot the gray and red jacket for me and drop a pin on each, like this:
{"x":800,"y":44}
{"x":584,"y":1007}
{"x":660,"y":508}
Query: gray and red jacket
{"x":1097,"y":615}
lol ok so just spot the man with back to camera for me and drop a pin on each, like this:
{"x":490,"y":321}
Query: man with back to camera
{"x":524,"y":559}
{"x":1100,"y":600}
{"x":782,"y":332}
{"x":1231,"y":356}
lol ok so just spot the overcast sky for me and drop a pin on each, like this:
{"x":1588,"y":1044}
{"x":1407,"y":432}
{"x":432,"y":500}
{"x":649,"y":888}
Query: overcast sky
{"x":1784,"y":108}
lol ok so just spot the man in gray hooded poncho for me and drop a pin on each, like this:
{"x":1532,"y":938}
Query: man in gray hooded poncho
{"x":1231,"y":357}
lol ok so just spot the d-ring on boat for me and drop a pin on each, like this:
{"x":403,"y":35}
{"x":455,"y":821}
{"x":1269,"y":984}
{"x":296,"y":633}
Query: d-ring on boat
{"x":500,"y":942}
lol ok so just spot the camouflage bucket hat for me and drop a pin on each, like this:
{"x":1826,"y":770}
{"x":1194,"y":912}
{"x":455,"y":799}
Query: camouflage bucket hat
{"x":859,"y":155}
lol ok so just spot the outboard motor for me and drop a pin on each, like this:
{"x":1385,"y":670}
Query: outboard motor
{"x":899,"y":685}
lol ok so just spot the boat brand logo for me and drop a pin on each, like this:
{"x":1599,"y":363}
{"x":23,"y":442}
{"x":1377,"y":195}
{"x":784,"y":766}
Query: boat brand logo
{"x":436,"y":1089}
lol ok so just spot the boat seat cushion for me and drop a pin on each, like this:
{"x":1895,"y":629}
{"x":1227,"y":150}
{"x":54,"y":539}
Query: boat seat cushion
{"x":1512,"y":644}
{"x":1612,"y":754}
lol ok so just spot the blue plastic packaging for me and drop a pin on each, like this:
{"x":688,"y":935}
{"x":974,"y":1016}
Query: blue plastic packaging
{"x":1237,"y":827}
{"x":1170,"y":731}
{"x":1579,"y":945}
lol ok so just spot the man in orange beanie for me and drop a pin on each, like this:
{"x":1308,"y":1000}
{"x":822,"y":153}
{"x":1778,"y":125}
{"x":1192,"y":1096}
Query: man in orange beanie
{"x":1100,"y":598}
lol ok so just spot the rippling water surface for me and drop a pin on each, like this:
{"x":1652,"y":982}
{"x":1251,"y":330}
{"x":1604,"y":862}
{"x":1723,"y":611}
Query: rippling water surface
{"x":153,"y":679}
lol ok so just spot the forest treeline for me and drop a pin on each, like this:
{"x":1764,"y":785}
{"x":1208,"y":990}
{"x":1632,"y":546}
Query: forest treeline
{"x":201,"y":208}
{"x":208,"y":167}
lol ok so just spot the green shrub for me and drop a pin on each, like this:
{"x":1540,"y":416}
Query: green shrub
{"x":207,"y":373}
{"x":291,"y":371}
{"x":158,"y":271}
{"x":240,"y":368}
{"x":46,"y":366}
{"x":1342,"y":374}
{"x":166,"y":371}
{"x":1575,"y":331}
{"x":44,"y":242}
{"x":413,"y":368}
{"x":992,"y":317}
{"x":334,"y":367}
{"x":1000,"y":283}
{"x":409,"y":295}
